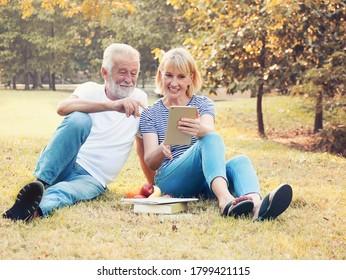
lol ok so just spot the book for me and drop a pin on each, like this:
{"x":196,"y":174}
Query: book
{"x":170,"y":208}
{"x":159,"y":205}
{"x":157,"y":200}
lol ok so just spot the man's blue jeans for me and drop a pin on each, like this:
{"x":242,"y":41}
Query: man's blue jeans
{"x":192,"y":173}
{"x":68,"y":183}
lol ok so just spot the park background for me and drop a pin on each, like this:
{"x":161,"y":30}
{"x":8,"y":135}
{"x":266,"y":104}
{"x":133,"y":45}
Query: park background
{"x":276,"y":71}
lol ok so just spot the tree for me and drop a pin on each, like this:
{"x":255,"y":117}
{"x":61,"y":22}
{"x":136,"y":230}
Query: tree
{"x":10,"y":42}
{"x":66,"y":37}
{"x":258,"y":45}
{"x":39,"y":35}
{"x":149,"y":30}
{"x":237,"y":45}
{"x":322,"y":53}
{"x":32,"y":45}
{"x":93,"y":10}
{"x":20,"y":43}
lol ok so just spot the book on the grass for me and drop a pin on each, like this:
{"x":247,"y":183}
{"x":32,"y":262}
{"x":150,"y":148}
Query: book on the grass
{"x":157,"y":200}
{"x":170,"y":208}
{"x":159,"y":205}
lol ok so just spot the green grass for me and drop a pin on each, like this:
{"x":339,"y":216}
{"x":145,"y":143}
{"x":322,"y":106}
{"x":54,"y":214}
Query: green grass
{"x":313,"y":228}
{"x":280,"y":113}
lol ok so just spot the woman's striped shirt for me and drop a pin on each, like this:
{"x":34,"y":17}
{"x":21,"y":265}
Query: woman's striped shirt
{"x":154,"y":120}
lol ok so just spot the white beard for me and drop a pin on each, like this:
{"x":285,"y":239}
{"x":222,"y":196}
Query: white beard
{"x":119,"y":92}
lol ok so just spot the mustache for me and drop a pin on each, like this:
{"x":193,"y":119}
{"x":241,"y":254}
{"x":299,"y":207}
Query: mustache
{"x":126,"y":84}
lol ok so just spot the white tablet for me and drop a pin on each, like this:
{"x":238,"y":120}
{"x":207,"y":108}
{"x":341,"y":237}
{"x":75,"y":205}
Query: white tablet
{"x":173,"y":135}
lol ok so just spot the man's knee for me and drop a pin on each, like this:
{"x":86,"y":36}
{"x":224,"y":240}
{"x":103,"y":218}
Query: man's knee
{"x":79,"y":120}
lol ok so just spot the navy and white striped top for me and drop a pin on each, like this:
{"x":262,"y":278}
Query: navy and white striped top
{"x":154,"y":120}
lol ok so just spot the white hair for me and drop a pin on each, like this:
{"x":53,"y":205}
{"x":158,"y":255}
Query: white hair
{"x":116,"y":50}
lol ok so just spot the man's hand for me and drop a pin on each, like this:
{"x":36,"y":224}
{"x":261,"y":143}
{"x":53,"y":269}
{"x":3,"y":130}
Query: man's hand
{"x":129,"y":106}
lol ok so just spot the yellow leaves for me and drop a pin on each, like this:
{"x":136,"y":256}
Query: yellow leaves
{"x":158,"y":53}
{"x":63,"y":4}
{"x":278,"y":26}
{"x":49,"y":4}
{"x":174,"y":3}
{"x":88,"y":42}
{"x":27,"y":8}
{"x":46,"y":4}
{"x":253,"y":48}
{"x":125,"y":6}
{"x":101,"y":9}
{"x":70,"y":9}
{"x":237,"y":23}
{"x":187,"y":41}
{"x":272,"y":39}
{"x":90,"y":8}
{"x":248,"y":48}
{"x":189,"y":13}
{"x":274,"y":67}
{"x":73,"y":10}
{"x":273,"y":3}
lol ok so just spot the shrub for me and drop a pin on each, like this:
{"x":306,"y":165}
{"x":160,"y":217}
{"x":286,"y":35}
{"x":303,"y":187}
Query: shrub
{"x":332,"y":139}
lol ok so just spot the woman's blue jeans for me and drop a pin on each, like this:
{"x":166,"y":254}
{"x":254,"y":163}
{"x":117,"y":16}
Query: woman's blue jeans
{"x":192,"y":173}
{"x":68,"y":183}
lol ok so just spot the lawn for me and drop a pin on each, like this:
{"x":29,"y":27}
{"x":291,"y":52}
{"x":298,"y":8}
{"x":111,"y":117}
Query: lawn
{"x":313,"y":228}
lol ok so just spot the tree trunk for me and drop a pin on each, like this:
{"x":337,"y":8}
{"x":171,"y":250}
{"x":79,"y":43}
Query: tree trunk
{"x":143,"y":73}
{"x":53,"y":82}
{"x":143,"y":80}
{"x":49,"y":79}
{"x":52,"y":76}
{"x":260,"y":122}
{"x":26,"y":78}
{"x":318,"y":125}
{"x":36,"y":80}
{"x":262,"y":62}
{"x":14,"y":82}
{"x":26,"y":73}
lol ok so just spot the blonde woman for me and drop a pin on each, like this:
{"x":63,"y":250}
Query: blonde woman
{"x":200,"y":169}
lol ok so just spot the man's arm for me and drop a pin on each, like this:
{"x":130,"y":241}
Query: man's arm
{"x":149,"y":173}
{"x":73,"y":103}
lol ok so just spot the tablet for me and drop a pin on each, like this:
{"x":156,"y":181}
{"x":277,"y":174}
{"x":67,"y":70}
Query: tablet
{"x":173,"y":135}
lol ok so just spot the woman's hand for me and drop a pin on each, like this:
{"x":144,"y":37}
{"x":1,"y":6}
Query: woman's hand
{"x":166,"y":150}
{"x":154,"y":154}
{"x":198,"y":127}
{"x":189,"y":126}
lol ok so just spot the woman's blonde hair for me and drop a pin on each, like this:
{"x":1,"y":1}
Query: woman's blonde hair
{"x":180,"y":59}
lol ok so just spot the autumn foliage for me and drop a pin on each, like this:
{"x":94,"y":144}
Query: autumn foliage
{"x":90,"y":9}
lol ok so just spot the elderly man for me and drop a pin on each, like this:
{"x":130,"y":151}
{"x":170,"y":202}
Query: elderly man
{"x":93,"y":142}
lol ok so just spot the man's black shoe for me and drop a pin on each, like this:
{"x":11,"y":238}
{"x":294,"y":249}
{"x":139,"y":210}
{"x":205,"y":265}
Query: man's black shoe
{"x":27,"y":201}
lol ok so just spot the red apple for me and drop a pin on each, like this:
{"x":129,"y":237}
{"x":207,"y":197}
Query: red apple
{"x":147,"y":189}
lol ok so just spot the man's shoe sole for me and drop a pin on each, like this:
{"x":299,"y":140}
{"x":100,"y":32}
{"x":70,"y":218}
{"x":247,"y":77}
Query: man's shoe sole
{"x":27,"y":201}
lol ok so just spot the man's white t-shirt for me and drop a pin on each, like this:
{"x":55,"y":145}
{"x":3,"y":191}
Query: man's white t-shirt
{"x":111,"y":138}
